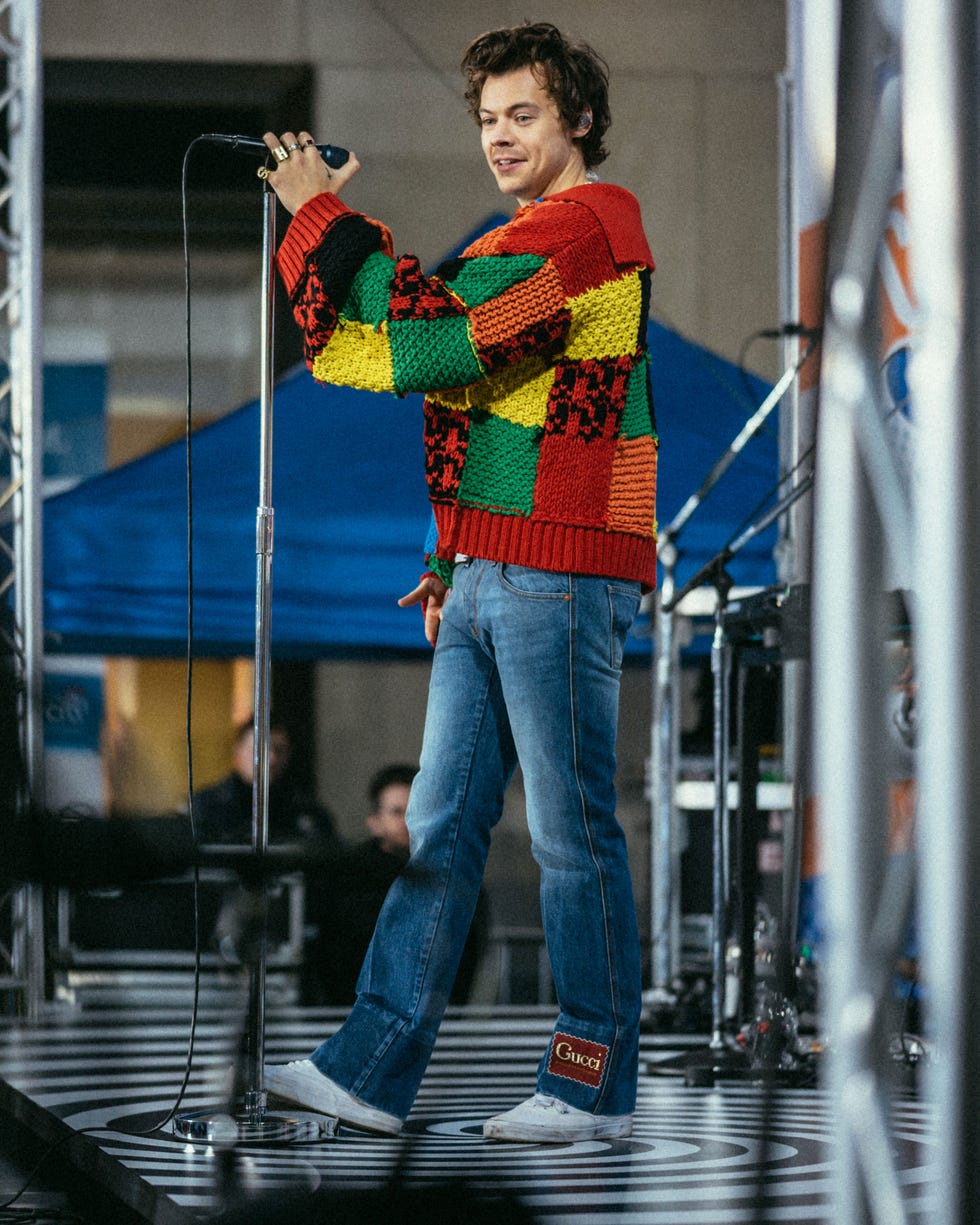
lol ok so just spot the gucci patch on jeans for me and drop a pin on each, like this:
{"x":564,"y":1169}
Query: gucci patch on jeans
{"x":577,"y":1059}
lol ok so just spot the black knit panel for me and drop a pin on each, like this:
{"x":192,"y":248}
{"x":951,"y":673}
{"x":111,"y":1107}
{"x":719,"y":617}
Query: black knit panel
{"x":330,"y":270}
{"x":346,"y":246}
{"x":644,"y":275}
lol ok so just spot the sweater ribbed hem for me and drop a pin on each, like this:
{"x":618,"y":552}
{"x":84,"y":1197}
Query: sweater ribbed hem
{"x":305,"y":234}
{"x":566,"y":548}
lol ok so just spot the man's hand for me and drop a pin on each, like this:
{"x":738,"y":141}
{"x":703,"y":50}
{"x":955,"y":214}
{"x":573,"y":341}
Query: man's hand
{"x":431,"y":593}
{"x":303,"y":174}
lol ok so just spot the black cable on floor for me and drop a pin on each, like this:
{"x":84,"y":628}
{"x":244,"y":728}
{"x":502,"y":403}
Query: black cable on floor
{"x":7,"y":1211}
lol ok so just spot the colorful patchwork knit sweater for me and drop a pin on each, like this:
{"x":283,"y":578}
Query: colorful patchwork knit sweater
{"x":531,"y":350}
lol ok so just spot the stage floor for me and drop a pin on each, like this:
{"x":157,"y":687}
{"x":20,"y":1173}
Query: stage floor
{"x":698,"y":1156}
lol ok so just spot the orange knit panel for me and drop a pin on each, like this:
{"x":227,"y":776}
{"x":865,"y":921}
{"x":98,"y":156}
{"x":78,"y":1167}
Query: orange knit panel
{"x":517,"y":309}
{"x":633,"y":488}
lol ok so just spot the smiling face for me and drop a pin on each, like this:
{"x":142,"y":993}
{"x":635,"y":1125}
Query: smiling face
{"x":530,"y":151}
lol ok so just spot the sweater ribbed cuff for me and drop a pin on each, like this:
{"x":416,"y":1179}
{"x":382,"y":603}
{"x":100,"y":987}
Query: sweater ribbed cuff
{"x":305,"y":234}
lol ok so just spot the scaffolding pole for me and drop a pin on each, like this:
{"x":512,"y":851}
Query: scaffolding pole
{"x":862,"y":519}
{"x":21,"y":240}
{"x":942,"y":171}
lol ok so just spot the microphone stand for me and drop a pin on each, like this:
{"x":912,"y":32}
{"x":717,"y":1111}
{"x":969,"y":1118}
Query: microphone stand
{"x":250,"y":1122}
{"x":663,"y":874}
{"x":720,"y":1059}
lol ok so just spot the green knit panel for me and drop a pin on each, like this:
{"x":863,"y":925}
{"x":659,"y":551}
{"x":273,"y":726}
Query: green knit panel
{"x":636,"y":421}
{"x":432,"y":354}
{"x":442,"y":568}
{"x":484,"y":277}
{"x":369,"y":291}
{"x":501,"y":461}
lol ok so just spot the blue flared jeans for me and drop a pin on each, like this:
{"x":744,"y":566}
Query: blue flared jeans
{"x":526,"y":669}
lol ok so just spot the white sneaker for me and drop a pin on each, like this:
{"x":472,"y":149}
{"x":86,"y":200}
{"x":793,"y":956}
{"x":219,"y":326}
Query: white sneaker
{"x":548,"y":1119}
{"x":300,"y":1082}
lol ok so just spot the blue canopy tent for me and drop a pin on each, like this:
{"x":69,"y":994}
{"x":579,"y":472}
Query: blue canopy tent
{"x":350,"y":519}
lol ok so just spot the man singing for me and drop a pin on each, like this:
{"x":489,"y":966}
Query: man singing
{"x":541,"y":465}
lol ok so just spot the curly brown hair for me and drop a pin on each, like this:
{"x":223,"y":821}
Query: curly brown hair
{"x":575,"y":76}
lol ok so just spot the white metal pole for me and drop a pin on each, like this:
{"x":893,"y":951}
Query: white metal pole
{"x":24,"y":319}
{"x":940,"y":52}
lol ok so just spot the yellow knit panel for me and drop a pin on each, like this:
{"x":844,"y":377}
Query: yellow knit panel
{"x":606,"y":321}
{"x":357,"y":356}
{"x":519,"y":393}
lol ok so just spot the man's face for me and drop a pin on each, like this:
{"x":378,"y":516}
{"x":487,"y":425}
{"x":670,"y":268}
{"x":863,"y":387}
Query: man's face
{"x":530,"y":151}
{"x":280,"y":753}
{"x":387,"y":822}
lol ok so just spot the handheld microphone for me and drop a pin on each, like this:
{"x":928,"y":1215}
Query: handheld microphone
{"x":333,"y":155}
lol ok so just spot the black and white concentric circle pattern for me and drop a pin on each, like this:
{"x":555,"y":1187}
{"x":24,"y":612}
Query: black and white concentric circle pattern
{"x":698,"y":1156}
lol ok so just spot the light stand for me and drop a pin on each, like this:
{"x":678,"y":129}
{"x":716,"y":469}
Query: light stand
{"x":663,"y":747}
{"x":720,"y":1058}
{"x":664,"y":873}
{"x":251,"y":1123}
{"x":721,"y":671}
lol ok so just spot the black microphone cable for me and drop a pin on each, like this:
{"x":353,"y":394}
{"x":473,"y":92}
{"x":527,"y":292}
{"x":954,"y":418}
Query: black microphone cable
{"x":189,"y":659}
{"x":773,"y":493}
{"x":812,"y":335}
{"x":6,"y":1206}
{"x":780,"y":333}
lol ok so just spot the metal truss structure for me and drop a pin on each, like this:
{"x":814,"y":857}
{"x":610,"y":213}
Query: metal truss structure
{"x":892,"y":99}
{"x":942,"y":66}
{"x":906,"y":102}
{"x":21,"y":239}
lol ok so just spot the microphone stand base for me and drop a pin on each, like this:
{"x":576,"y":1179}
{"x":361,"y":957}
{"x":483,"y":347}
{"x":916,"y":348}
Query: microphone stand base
{"x":705,"y":1066}
{"x":220,"y":1127}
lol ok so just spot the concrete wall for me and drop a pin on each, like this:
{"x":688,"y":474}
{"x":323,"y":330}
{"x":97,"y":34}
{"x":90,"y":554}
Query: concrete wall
{"x":694,"y":118}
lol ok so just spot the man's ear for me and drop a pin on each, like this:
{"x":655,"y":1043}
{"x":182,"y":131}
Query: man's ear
{"x":372,"y":824}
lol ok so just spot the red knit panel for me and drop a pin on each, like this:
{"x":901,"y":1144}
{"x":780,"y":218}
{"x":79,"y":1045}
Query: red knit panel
{"x":548,"y":227}
{"x":615,"y":209}
{"x":412,"y":295}
{"x":587,"y":264}
{"x":588,"y":397}
{"x":446,"y":433}
{"x":569,"y":227}
{"x":618,"y":211}
{"x":573,"y":476}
